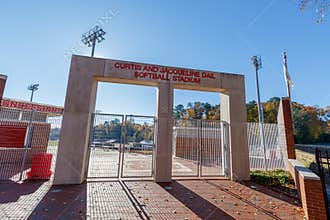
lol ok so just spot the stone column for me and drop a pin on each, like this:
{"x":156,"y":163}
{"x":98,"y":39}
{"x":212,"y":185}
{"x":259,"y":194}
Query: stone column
{"x":233,"y":112}
{"x":285,"y":128}
{"x":164,"y":129}
{"x":79,"y":105}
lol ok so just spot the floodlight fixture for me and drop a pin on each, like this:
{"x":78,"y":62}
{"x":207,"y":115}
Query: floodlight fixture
{"x":92,"y":36}
{"x":256,"y":61}
{"x":33,"y":87}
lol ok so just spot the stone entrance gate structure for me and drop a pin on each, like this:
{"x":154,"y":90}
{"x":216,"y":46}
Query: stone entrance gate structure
{"x":86,"y":72}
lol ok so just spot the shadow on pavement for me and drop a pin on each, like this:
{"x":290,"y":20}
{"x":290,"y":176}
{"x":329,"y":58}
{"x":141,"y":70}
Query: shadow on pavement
{"x":62,"y":202}
{"x":11,"y":191}
{"x":281,"y":193}
{"x":200,"y":206}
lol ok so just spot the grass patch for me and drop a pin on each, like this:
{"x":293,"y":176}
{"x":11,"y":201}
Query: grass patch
{"x":53,"y":143}
{"x":272,"y":178}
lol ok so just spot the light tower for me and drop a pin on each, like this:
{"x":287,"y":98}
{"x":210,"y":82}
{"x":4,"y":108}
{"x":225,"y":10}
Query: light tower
{"x":33,"y":88}
{"x":256,"y":61}
{"x":92,"y":36}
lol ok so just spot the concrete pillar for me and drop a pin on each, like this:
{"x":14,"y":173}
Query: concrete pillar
{"x":164,"y":129}
{"x":285,"y":128}
{"x":79,"y":105}
{"x":233,"y":112}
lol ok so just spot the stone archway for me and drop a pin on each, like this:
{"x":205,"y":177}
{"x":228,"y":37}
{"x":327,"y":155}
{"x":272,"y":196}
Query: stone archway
{"x":86,"y":72}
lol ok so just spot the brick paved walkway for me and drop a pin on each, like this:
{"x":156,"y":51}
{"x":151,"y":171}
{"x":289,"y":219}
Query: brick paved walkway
{"x":186,"y":199}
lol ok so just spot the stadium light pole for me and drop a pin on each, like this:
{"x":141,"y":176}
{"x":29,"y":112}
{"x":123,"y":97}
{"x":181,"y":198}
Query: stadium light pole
{"x":33,"y":87}
{"x":257,"y":64}
{"x":93,"y":36}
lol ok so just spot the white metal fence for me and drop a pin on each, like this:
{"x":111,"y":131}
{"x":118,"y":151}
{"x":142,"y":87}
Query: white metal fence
{"x":187,"y":141}
{"x":275,"y":156}
{"x":197,"y":148}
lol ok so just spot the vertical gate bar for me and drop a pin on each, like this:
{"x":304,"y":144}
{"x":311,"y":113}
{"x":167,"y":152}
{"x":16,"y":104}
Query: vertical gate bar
{"x":328,"y":163}
{"x":222,"y":146}
{"x":120,"y":145}
{"x":218,"y":134}
{"x":123,"y":147}
{"x":200,"y":148}
{"x":91,"y":132}
{"x":153,"y":148}
{"x":28,"y":144}
{"x":319,"y":161}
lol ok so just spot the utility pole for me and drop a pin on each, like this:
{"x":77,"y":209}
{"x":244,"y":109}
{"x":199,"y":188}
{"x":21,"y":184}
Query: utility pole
{"x":93,"y":36}
{"x":256,"y":61}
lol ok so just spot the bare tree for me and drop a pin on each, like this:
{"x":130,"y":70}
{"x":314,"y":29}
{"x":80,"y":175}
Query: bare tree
{"x":321,"y":8}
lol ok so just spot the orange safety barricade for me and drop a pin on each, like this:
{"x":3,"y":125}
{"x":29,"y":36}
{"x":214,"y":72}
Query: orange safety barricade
{"x":40,"y":168}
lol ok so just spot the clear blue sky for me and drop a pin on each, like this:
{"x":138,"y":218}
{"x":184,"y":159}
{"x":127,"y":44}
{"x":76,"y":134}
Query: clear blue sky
{"x":36,"y":37}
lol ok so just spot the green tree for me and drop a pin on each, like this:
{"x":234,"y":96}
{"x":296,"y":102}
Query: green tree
{"x":312,"y":124}
{"x":252,"y":111}
{"x":308,"y":125}
{"x":179,"y":111}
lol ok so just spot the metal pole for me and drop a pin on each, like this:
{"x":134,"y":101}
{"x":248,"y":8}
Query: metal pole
{"x":31,"y":97}
{"x":93,"y":47}
{"x":288,"y":86}
{"x":29,"y":135}
{"x":27,"y":144}
{"x":285,"y":70}
{"x":261,"y":120}
{"x":288,"y":90}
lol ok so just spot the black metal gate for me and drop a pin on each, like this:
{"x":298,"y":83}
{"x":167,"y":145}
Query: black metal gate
{"x":121,"y":146}
{"x":322,"y":158}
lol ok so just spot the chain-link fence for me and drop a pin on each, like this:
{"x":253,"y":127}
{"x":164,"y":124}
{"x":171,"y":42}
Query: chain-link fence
{"x":23,"y":134}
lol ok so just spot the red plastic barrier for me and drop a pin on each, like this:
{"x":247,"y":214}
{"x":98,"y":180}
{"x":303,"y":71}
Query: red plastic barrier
{"x":40,"y":168}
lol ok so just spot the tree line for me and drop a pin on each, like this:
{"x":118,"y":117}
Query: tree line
{"x":112,"y":130}
{"x":312,"y":124}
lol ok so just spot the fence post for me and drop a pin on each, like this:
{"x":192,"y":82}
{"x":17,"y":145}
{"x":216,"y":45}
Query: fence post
{"x":318,"y":159}
{"x":225,"y":149}
{"x":27,"y":144}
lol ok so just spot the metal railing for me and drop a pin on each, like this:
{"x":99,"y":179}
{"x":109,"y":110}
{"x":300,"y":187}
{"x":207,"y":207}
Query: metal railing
{"x":138,"y":146}
{"x":197,"y":148}
{"x":275,"y":155}
{"x":121,"y":146}
{"x":322,"y":158}
{"x":198,"y":142}
{"x":21,"y":115}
